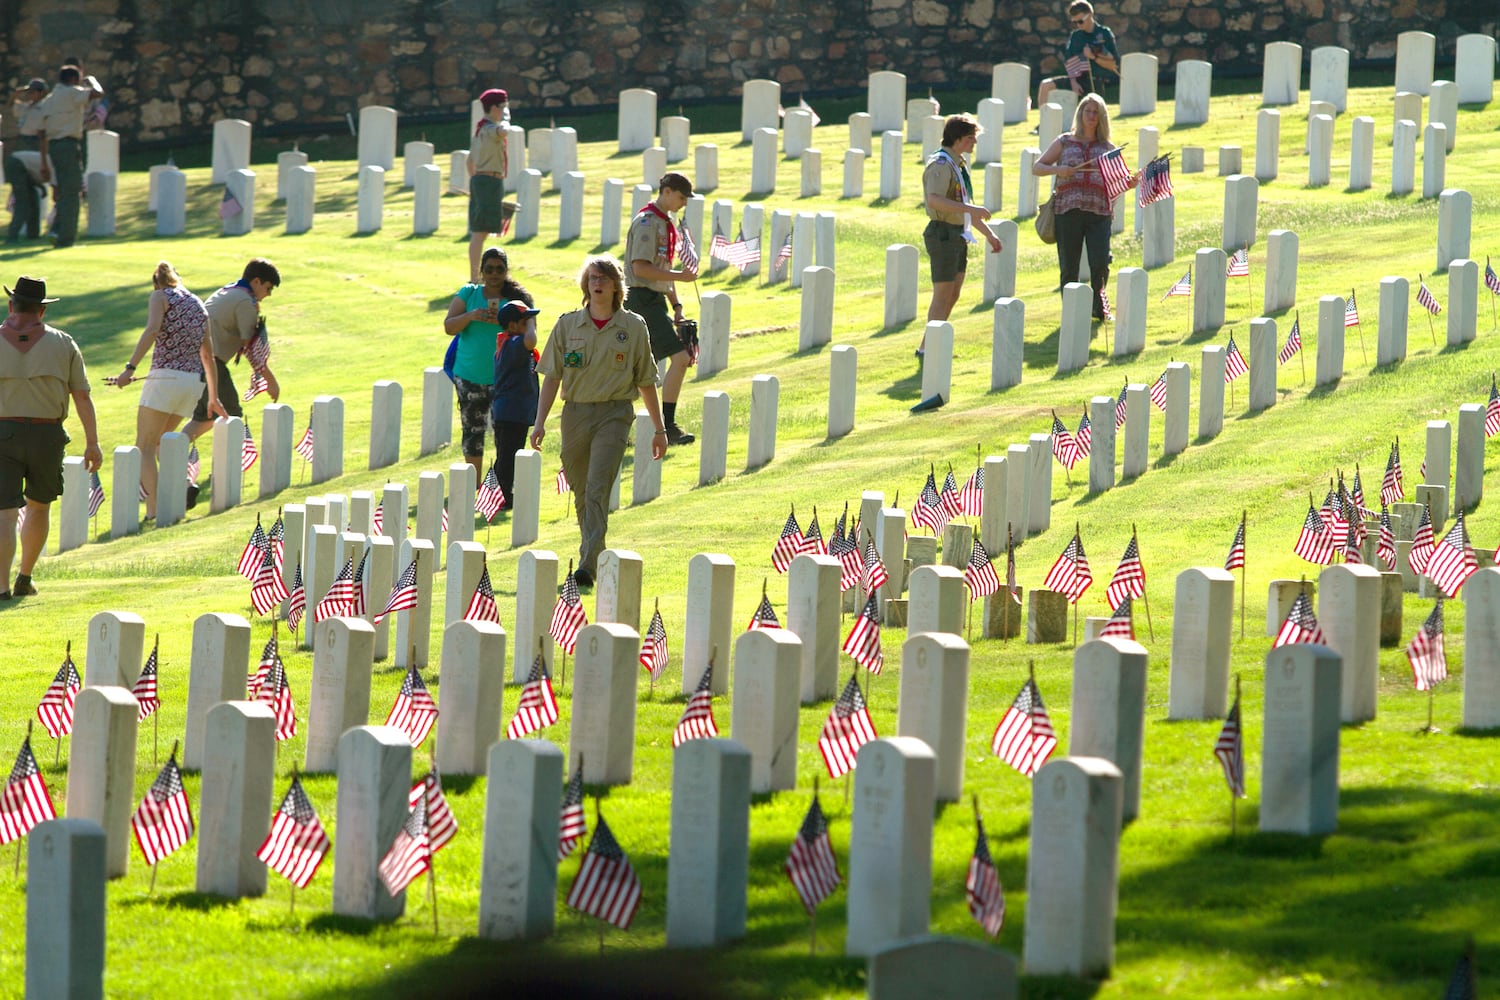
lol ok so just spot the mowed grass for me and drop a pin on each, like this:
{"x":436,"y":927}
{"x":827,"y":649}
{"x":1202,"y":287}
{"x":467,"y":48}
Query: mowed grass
{"x":1381,"y":907}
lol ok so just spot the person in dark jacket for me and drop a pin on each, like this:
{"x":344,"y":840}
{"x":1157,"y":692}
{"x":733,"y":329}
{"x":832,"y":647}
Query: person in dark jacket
{"x":514,"y":409}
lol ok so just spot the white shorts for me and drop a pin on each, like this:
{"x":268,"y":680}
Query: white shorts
{"x":170,"y":391}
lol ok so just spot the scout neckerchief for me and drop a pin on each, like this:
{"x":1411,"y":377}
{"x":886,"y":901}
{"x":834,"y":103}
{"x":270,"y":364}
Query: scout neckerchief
{"x":671,"y":229}
{"x":964,"y":189}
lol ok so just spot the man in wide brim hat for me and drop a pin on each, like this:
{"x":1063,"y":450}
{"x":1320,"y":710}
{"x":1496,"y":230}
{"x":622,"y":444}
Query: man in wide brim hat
{"x":44,"y":370}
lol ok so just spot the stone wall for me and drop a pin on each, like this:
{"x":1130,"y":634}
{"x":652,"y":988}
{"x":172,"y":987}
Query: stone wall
{"x":174,"y":66}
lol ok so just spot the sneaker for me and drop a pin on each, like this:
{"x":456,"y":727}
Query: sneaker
{"x":676,"y":435}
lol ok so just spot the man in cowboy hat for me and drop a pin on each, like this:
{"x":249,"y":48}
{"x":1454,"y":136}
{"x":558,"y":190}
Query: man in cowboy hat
{"x":40,"y":368}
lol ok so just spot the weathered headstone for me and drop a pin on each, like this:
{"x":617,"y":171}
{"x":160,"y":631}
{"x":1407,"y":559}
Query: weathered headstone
{"x":1349,"y":613}
{"x":1109,"y":711}
{"x":374,"y":774}
{"x":1281,"y":73}
{"x":65,"y":909}
{"x":101,"y":768}
{"x":1328,"y":76}
{"x":934,"y":702}
{"x":1330,"y":339}
{"x":234,"y":811}
{"x":602,"y":737}
{"x":1191,"y":92}
{"x":764,"y":716}
{"x":1300,"y":745}
{"x":518,"y":876}
{"x":940,"y":968}
{"x":709,"y":622}
{"x":343,"y":659}
{"x":1046,"y":616}
{"x":890,"y":845}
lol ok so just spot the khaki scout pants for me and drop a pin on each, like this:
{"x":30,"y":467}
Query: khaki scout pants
{"x":594,"y":436}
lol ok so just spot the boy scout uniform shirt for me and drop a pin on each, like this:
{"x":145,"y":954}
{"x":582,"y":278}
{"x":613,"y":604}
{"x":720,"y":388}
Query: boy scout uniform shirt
{"x":599,"y":365}
{"x":62,"y":111}
{"x":941,"y":179}
{"x":648,"y":241}
{"x":487,"y":151}
{"x":37,"y":384}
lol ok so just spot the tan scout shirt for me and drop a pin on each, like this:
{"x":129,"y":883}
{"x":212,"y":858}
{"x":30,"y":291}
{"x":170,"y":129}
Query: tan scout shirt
{"x":61,"y":112}
{"x":36,"y":384}
{"x":487,"y":151}
{"x":941,"y":179}
{"x":232,"y":315}
{"x":599,"y":365}
{"x":647,"y":241}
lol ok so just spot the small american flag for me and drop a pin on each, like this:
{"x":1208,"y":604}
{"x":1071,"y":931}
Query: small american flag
{"x":784,"y":254}
{"x":296,"y":601}
{"x":277,"y":537}
{"x":482,"y":606}
{"x":1236,"y":558}
{"x":305,"y":445}
{"x":1239,"y":264}
{"x":764,"y":617}
{"x":928,"y":510}
{"x":1385,"y":547}
{"x":489,"y":499}
{"x":1183,"y":286}
{"x":164,"y":820}
{"x":538,"y":706}
{"x":810,"y":864}
{"x":848,"y":728}
{"x":982,"y":886}
{"x":1230,"y":750}
{"x":1301,"y":624}
{"x":971,"y":497}
{"x":445,"y":517}
{"x":1352,"y":543}
{"x":414,"y":711}
{"x":1453,"y":560}
{"x":697,"y":722}
{"x":248,"y":452}
{"x":948,"y":497}
{"x":979,"y":574}
{"x":563,"y":485}
{"x":257,"y":386}
{"x":1420,"y":553}
{"x":251,"y":556}
{"x":1130,"y":576}
{"x":1491,"y":279}
{"x":441,"y":823}
{"x":1426,"y":301}
{"x":410,"y":854}
{"x":1116,"y":175}
{"x":863,"y":641}
{"x":25,"y":801}
{"x":1070,"y":574}
{"x":788,"y":544}
{"x":1429,"y":664}
{"x":229,"y":205}
{"x":1077,"y":66}
{"x":1024,"y":739}
{"x":653,"y":658}
{"x":96,"y":493}
{"x":357,"y":608}
{"x":403,"y":594}
{"x":687,"y":251}
{"x":1156,"y":182}
{"x":812,"y":543}
{"x":144,"y":689}
{"x":845,"y":548}
{"x":277,"y":692}
{"x":1313,"y":542}
{"x":568,"y":616}
{"x":742,"y":253}
{"x":1492,"y":411}
{"x":193,"y":464}
{"x":1159,"y":392}
{"x":572,"y":824}
{"x":1083,"y":437}
{"x":269,"y":654}
{"x":875,"y":575}
{"x":1121,"y":624}
{"x":1064,"y":445}
{"x":1120,"y":405}
{"x":1234,"y":362}
{"x":297,"y":843}
{"x":258,"y":348}
{"x":606,"y":886}
{"x":378,"y":521}
{"x":55,"y":711}
{"x":336,"y":602}
{"x":1351,"y":311}
{"x":1390,"y":486}
{"x":1293,"y":343}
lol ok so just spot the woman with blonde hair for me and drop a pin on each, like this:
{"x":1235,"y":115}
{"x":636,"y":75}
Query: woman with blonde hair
{"x":177,"y":324}
{"x":600,"y":357}
{"x":1080,"y":200}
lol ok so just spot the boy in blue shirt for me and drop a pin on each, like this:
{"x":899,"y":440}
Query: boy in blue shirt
{"x":514,"y":408}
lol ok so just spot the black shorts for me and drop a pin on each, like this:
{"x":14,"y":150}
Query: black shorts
{"x":31,"y":457}
{"x":229,"y":396}
{"x":651,"y":306}
{"x":947,"y":251}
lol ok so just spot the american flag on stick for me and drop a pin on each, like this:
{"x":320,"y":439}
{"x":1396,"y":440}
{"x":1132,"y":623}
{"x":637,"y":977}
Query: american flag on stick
{"x":1236,"y":558}
{"x":538,"y":705}
{"x":1491,"y":279}
{"x":297,"y":843}
{"x":928,"y":511}
{"x":654,"y":653}
{"x":1183,"y":285}
{"x":1156,"y":181}
{"x":847,"y":728}
{"x":1391,"y":490}
{"x":607,"y":886}
{"x":875,"y":575}
{"x":1293,"y":343}
{"x":812,"y":543}
{"x":403,"y":594}
{"x":1083,"y":437}
{"x":863,"y":641}
{"x":1116,"y":175}
{"x":697,"y":722}
{"x":275,"y":691}
{"x":1064,"y":445}
{"x":96,"y":493}
{"x":1351,"y":311}
{"x":982,"y":884}
{"x":1159,"y":392}
{"x":410,"y":854}
{"x":1230,"y":749}
{"x":144,"y":687}
{"x":1492,"y":410}
{"x":1313,"y":542}
{"x":971,"y":497}
{"x":1121,"y":624}
{"x":572,"y":824}
{"x":482,"y":606}
{"x":742,"y":253}
{"x":563,"y":486}
{"x":765,"y":614}
{"x":568,"y":616}
{"x":1420,"y":553}
{"x":845,"y":548}
{"x":337,"y":601}
{"x":257,"y":386}
{"x":414,"y":711}
{"x":784,"y":254}
{"x":1426,"y":300}
{"x":1429,"y":664}
{"x":979,"y":574}
{"x":1024,"y":739}
{"x":489,"y":499}
{"x":1120,"y":405}
{"x":25,"y":801}
{"x":1453,"y":560}
{"x":55,"y":711}
{"x":1239,"y":264}
{"x":1385,"y":546}
{"x":248,"y":452}
{"x":296,"y":601}
{"x":1234,"y":361}
{"x":1070,"y":574}
{"x":1301,"y":624}
{"x":810,"y":864}
{"x":788,"y":544}
{"x":304,"y":446}
{"x":250,"y":557}
{"x":1130,"y":576}
{"x":164,"y":820}
{"x":441,"y":823}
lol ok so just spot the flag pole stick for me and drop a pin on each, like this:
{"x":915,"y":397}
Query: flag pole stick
{"x":1009,"y":599}
{"x":1243,"y":581}
{"x":1301,"y":354}
{"x":1430,"y":329}
{"x":1144,"y":598}
{"x":1234,"y":800}
{"x":1360,"y":328}
{"x":57,"y":743}
{"x":156,"y":715}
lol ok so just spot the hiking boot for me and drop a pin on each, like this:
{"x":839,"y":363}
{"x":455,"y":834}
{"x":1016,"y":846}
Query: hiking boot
{"x":676,"y":435}
{"x":583,"y":578}
{"x":23,"y":587}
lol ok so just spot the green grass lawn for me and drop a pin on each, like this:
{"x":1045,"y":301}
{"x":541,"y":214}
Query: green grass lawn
{"x":1382,"y":907}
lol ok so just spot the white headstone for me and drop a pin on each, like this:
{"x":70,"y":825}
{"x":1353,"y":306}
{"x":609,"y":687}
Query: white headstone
{"x":1468,"y":478}
{"x":101,"y":768}
{"x":890,"y":845}
{"x":765,"y":394}
{"x":377,"y":137}
{"x":101,"y":188}
{"x":1209,"y":264}
{"x":1395,"y":301}
{"x":1211,"y":392}
{"x":901,"y":270}
{"x":708,"y":858}
{"x":1192,"y":160}
{"x":816,"y":328}
{"x":1138,"y":83}
{"x":458,"y":172}
{"x":1455,"y":209}
{"x":171,"y":210}
{"x":854,"y":173}
{"x":860,"y":132}
{"x":763,"y":162}
{"x":1281,"y":73}
{"x":234,"y":811}
{"x":1241,"y":194}
{"x":843,"y":389}
{"x":1137,"y":430}
{"x":301,"y":183}
{"x":1109,"y":711}
{"x":65,"y":909}
{"x":713,"y":438}
{"x":116,"y":640}
{"x":231,"y":148}
{"x":1191,"y":92}
{"x":1434,"y":159}
{"x":522,"y":805}
{"x":637,"y":120}
{"x":1404,"y":157}
{"x":1203,"y":623}
{"x":343,"y":659}
{"x":709,"y":622}
{"x":937,"y":361}
{"x":371,"y":208}
{"x":1349,"y":613}
{"x":796,"y":133}
{"x":706,"y":167}
{"x":991,"y":131}
{"x":1474,"y":68}
{"x":1159,"y":233}
{"x":1320,"y":150}
{"x":1262,"y":361}
{"x":374,"y":776}
{"x":1175,"y":421}
{"x":473,"y":674}
{"x":220,"y":661}
{"x":528,"y":204}
{"x":1328,"y":78}
{"x":1011,"y":83}
{"x":1102,"y":448}
{"x":1442,"y":109}
{"x":414,"y":156}
{"x":1050,"y":124}
{"x":1482,"y":650}
{"x":890,"y":165}
{"x":1075,"y":328}
{"x":934,"y":700}
{"x":1007,"y":343}
{"x":240,"y":185}
{"x":1300,"y":742}
{"x":1330,"y":339}
{"x":1131,"y":291}
{"x":603,"y":724}
{"x":1463,"y":301}
{"x":759,"y":102}
{"x":1415,"y":51}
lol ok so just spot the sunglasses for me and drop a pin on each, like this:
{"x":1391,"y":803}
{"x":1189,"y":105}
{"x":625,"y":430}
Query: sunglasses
{"x":497,"y":269}
{"x":1080,"y":21}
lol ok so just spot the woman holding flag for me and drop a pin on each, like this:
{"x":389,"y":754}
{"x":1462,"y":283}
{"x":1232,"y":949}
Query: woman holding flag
{"x":1089,"y":173}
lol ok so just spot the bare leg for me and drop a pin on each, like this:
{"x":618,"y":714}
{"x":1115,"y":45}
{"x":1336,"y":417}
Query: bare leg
{"x":7,"y":546}
{"x":150,"y":425}
{"x":671,"y":384}
{"x":944,"y":298}
{"x":476,"y":250}
{"x":1044,"y":91}
{"x":33,"y":534}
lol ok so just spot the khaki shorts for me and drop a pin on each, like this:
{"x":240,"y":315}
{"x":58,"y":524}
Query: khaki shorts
{"x":169,"y":391}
